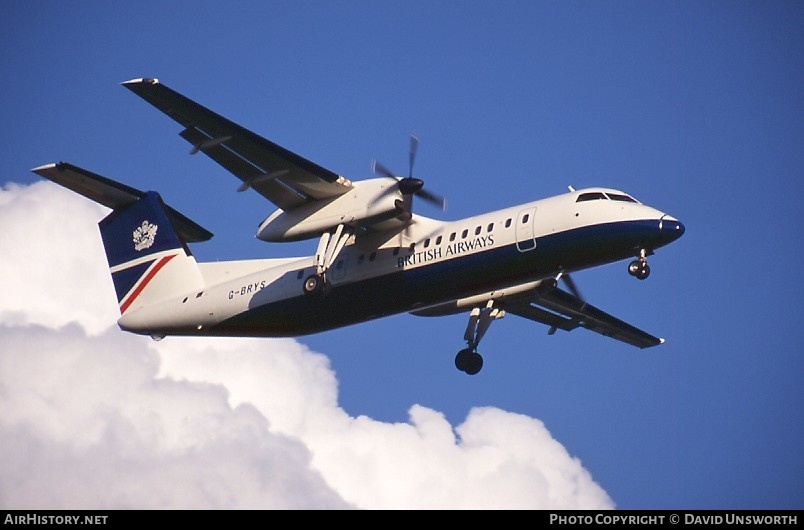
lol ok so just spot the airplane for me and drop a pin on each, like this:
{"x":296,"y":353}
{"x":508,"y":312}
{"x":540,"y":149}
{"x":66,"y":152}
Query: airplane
{"x":375,"y":256}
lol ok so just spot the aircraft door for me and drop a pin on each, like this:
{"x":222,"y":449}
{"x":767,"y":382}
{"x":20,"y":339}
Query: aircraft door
{"x":525,"y":230}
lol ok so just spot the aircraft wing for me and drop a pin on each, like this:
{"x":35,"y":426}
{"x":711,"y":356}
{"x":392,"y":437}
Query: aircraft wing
{"x":544,"y":302}
{"x":281,"y":176}
{"x":559,"y":309}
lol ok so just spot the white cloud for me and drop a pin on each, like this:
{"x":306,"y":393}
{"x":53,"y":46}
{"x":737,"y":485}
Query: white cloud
{"x":91,"y":417}
{"x":494,"y":459}
{"x":52,"y":268}
{"x":85,"y":423}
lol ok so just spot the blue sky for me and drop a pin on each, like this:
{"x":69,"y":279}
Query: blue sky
{"x":695,"y":108}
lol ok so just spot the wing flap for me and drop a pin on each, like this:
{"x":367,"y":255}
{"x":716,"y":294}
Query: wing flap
{"x":538,"y":314}
{"x":273,"y":190}
{"x":242,"y":152}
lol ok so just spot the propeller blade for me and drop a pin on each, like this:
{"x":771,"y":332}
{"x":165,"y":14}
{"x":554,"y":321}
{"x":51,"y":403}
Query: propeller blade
{"x":414,"y":145}
{"x":432,"y":198}
{"x":570,"y":283}
{"x":379,"y":169}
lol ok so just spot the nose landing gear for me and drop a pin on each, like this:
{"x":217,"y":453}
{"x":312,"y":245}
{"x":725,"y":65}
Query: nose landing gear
{"x":639,"y":267}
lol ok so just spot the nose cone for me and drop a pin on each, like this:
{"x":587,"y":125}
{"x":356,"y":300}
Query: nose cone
{"x":671,"y":228}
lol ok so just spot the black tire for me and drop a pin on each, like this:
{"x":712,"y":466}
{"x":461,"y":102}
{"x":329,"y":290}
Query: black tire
{"x":468,"y":361}
{"x":461,"y":359}
{"x":313,"y":285}
{"x":475,"y":363}
{"x":643,"y":272}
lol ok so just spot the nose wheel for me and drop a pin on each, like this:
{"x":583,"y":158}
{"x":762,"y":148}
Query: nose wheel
{"x":639,"y":267}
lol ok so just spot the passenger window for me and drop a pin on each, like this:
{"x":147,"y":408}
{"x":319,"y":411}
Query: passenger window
{"x":525,"y":218}
{"x":490,"y":227}
{"x":477,"y":231}
{"x":507,"y":223}
{"x":427,"y":242}
{"x":452,"y":236}
{"x":438,"y":240}
{"x":464,"y":233}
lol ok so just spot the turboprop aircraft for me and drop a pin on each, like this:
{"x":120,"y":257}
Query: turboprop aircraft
{"x":375,"y":256}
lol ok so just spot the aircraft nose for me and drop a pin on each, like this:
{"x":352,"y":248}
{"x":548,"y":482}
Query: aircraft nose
{"x":671,"y":228}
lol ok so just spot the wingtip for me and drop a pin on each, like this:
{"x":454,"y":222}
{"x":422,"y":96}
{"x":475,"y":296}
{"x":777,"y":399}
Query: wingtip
{"x":44,"y":167}
{"x":141,"y":80}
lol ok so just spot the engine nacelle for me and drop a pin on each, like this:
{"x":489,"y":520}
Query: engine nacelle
{"x":368,"y":202}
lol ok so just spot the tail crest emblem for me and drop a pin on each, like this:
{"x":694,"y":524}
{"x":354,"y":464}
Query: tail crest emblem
{"x":144,"y":236}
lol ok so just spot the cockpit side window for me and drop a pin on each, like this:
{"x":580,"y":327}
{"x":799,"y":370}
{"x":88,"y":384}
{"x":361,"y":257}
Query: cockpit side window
{"x":591,"y":196}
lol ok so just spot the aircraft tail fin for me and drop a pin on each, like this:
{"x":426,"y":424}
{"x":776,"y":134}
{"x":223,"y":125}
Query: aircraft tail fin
{"x":145,"y":240}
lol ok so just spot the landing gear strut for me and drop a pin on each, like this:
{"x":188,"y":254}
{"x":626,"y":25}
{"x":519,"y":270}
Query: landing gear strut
{"x":639,"y":267}
{"x":468,"y":359}
{"x":329,"y":247}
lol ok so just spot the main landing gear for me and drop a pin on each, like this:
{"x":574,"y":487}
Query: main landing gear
{"x":639,"y":267}
{"x":329,"y":246}
{"x":314,"y":284}
{"x":468,"y":359}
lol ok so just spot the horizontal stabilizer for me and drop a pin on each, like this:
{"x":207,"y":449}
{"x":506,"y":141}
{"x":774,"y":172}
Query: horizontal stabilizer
{"x":115,"y":195}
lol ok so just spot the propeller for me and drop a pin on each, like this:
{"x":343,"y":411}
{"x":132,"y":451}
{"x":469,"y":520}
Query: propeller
{"x":410,"y":185}
{"x":570,"y":283}
{"x":547,"y":285}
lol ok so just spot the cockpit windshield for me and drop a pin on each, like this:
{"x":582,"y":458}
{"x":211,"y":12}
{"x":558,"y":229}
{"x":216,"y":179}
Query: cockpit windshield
{"x":599,"y":195}
{"x":591,"y":196}
{"x":621,"y":197}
